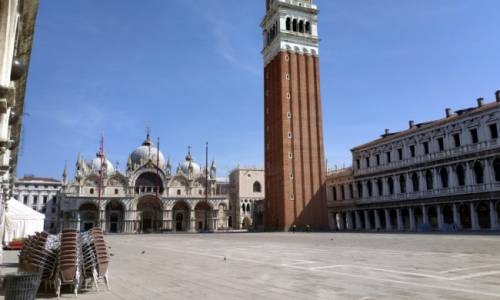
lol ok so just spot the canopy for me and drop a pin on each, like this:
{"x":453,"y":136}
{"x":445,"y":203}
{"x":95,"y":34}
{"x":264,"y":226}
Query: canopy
{"x":20,"y":221}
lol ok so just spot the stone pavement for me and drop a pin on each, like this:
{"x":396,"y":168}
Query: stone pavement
{"x":301,"y":266}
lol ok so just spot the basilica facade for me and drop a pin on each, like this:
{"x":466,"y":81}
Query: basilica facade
{"x":150,"y":196}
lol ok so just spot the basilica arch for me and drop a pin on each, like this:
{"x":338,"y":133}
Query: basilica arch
{"x":115,"y":213}
{"x":181,"y":216}
{"x":89,"y":215}
{"x":149,"y":210}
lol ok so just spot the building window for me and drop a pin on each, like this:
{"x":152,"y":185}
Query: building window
{"x":496,"y":169}
{"x":91,"y":191}
{"x":429,"y":180}
{"x":25,"y":200}
{"x":460,"y":175}
{"x":415,"y":183}
{"x":351,"y":191}
{"x":178,"y":192}
{"x":288,"y":24}
{"x":388,"y":157}
{"x":412,"y":150}
{"x":441,"y":144}
{"x":493,"y":131}
{"x":334,"y":193}
{"x":53,"y":210}
{"x":367,"y":160}
{"x":342,"y":192}
{"x":290,"y":156}
{"x":35,"y":200}
{"x":43,"y":210}
{"x":390,"y":183}
{"x":358,"y":164}
{"x":116,"y":191}
{"x":478,"y":173}
{"x":257,"y":187}
{"x":380,"y":187}
{"x":378,"y":159}
{"x":289,"y":134}
{"x":45,"y":199}
{"x":400,"y":154}
{"x":360,"y":190}
{"x":426,"y":147}
{"x":289,"y":115}
{"x":370,"y":188}
{"x":473,"y":136}
{"x":456,"y":139}
{"x":402,"y":183}
{"x":287,"y":76}
{"x":308,"y":27}
{"x":444,"y":177}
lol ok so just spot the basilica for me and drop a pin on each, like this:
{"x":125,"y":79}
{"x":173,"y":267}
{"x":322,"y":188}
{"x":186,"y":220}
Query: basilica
{"x":151,"y":195}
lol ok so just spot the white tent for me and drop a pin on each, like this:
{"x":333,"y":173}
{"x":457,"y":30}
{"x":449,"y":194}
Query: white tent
{"x":20,"y":221}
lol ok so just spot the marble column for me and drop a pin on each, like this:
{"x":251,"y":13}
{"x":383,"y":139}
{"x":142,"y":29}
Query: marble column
{"x":192,"y":220}
{"x":439,"y":209}
{"x":411,"y":213}
{"x":456,"y":217}
{"x":388,"y":226}
{"x":367,"y":220}
{"x":473,"y":217}
{"x":377,"y":220}
{"x":493,"y":216}
{"x":357,"y":220}
{"x":399,"y":219}
{"x":425,"y":215}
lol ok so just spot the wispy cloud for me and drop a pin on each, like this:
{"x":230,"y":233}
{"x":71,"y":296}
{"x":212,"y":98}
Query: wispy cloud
{"x":224,"y":40}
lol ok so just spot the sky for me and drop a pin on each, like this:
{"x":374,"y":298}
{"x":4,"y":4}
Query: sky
{"x":191,"y":70}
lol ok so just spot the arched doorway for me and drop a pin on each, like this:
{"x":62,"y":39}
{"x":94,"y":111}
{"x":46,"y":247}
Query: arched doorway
{"x":230,"y":222}
{"x":433,"y":217}
{"x":114,"y":217}
{"x":419,"y":216}
{"x":353,"y":220}
{"x":465,"y":219}
{"x":89,"y":214}
{"x":394,"y":219}
{"x":203,"y":216}
{"x":447,"y":214}
{"x":246,"y":223}
{"x":483,"y":215}
{"x":406,"y":218}
{"x":371,"y":218}
{"x":151,"y":214}
{"x":381,"y":217}
{"x":180,"y":213}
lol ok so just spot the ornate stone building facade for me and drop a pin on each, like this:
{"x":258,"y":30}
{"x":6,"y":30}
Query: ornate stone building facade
{"x":40,"y":194}
{"x":294,"y":154}
{"x":440,"y":175}
{"x":247,"y":197}
{"x":149,"y":197}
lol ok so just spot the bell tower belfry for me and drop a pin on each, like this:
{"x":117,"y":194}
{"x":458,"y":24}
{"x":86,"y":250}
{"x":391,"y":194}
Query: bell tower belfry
{"x":294,"y":151}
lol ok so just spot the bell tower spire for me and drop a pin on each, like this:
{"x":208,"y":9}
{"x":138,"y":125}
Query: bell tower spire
{"x":294,"y":155}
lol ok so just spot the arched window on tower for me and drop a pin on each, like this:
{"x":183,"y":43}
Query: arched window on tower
{"x":444,"y":177}
{"x":301,"y":26}
{"x":496,"y":169}
{"x":414,"y":179}
{"x":402,"y":183}
{"x":294,"y":25}
{"x":460,"y":175}
{"x":288,"y":23}
{"x":257,"y":187}
{"x":308,"y":27}
{"x":390,"y":183}
{"x":429,"y":180}
{"x":478,"y":173}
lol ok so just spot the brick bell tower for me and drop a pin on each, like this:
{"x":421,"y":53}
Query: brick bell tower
{"x":294,"y":154}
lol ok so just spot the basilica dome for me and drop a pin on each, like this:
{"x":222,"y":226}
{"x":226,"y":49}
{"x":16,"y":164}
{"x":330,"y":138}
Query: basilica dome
{"x":147,"y":151}
{"x":190,"y":164}
{"x":95,"y":165}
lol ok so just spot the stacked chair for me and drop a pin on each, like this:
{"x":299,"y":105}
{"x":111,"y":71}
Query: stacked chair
{"x":69,"y":261}
{"x":70,"y":258}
